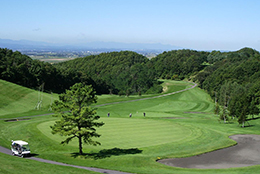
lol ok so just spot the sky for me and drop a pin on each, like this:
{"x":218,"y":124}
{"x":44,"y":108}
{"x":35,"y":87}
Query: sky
{"x":192,"y":24}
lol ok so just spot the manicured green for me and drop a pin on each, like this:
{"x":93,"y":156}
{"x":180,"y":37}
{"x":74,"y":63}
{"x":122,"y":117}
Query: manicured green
{"x":118,"y":132}
{"x":179,"y":125}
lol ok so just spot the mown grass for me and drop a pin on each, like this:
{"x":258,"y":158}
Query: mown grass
{"x":18,"y":101}
{"x":129,"y":133}
{"x":14,"y":165}
{"x":168,"y":87}
{"x":179,"y":125}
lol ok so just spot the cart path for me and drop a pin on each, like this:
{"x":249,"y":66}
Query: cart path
{"x":8,"y":151}
{"x":163,"y":95}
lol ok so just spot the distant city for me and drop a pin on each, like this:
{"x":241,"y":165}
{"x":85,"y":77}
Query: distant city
{"x":50,"y":52}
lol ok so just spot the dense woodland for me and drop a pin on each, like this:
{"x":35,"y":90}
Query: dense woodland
{"x":122,"y":72}
{"x":21,"y":69}
{"x":178,"y":64}
{"x":231,"y":78}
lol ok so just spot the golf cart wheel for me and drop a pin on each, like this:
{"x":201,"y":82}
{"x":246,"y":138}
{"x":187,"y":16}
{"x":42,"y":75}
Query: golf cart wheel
{"x":13,"y":154}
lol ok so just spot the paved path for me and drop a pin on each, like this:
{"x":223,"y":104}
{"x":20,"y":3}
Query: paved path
{"x":163,"y":95}
{"x":8,"y":151}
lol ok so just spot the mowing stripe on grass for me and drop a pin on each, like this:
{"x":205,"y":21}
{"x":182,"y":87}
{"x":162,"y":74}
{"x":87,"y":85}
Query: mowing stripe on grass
{"x":130,"y":133}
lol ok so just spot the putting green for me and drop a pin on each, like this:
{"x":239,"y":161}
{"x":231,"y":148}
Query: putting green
{"x":130,"y":133}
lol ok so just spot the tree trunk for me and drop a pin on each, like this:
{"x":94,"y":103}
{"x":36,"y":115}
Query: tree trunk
{"x":224,"y":114}
{"x":80,"y":145}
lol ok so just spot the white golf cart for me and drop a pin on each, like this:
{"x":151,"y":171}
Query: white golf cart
{"x":20,"y":148}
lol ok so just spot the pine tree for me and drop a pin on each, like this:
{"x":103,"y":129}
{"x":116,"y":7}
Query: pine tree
{"x":80,"y":120}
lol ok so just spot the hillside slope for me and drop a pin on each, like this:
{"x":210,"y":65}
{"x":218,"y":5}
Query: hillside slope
{"x":16,"y":99}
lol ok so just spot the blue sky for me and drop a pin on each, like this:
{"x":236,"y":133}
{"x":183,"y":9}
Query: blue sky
{"x":193,"y":24}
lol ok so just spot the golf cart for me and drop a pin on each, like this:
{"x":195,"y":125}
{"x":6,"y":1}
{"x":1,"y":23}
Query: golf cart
{"x":20,"y":148}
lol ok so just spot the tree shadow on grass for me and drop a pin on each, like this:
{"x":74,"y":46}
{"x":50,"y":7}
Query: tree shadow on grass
{"x":254,"y":118}
{"x":249,"y":125}
{"x":106,"y":153}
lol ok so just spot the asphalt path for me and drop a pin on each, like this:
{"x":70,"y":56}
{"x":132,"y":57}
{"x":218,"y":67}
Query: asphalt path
{"x":8,"y":151}
{"x":163,"y":95}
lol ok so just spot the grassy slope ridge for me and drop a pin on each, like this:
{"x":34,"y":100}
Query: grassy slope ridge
{"x":133,"y":144}
{"x":16,"y":100}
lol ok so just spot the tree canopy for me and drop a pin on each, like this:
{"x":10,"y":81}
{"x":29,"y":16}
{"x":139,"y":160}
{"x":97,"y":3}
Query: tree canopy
{"x":178,"y":64}
{"x":21,"y":69}
{"x":233,"y":78}
{"x":116,"y":72}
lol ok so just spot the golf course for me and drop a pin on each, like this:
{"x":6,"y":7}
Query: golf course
{"x":179,"y":123}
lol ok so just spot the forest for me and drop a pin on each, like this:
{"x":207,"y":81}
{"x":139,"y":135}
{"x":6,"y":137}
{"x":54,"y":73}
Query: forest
{"x":232,"y":79}
{"x":122,"y":73}
{"x":21,"y":69}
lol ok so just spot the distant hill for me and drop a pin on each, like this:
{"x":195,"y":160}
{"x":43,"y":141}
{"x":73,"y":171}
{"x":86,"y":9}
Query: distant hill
{"x":123,"y":72}
{"x":22,"y":45}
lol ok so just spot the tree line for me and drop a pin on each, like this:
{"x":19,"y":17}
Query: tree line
{"x":21,"y":69}
{"x":233,"y":81}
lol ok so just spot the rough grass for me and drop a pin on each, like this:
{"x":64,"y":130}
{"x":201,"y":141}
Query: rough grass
{"x":134,"y":144}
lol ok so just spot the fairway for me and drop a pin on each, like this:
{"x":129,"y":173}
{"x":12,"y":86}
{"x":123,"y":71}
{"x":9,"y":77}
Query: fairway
{"x":130,"y":133}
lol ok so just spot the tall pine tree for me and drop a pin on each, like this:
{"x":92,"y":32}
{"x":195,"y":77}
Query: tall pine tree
{"x":80,"y":120}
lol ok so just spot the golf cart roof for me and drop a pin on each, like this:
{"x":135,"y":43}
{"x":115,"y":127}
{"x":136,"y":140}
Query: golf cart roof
{"x":20,"y":142}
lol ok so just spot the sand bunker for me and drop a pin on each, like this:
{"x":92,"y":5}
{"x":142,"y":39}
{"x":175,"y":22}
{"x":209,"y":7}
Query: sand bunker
{"x":16,"y":119}
{"x":245,"y":153}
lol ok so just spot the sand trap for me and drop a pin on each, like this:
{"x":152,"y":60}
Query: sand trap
{"x":174,"y":117}
{"x":16,"y":119}
{"x":245,"y":153}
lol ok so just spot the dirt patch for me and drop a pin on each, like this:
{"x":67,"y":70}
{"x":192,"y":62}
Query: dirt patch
{"x":196,"y":113}
{"x":174,"y":117}
{"x":245,"y":153}
{"x":16,"y":119}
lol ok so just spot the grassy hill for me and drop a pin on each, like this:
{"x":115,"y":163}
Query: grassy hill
{"x":16,"y":100}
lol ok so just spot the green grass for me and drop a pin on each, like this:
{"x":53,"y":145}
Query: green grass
{"x":14,"y":165}
{"x":140,"y":133}
{"x":134,"y":144}
{"x":168,"y":86}
{"x":18,"y":101}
